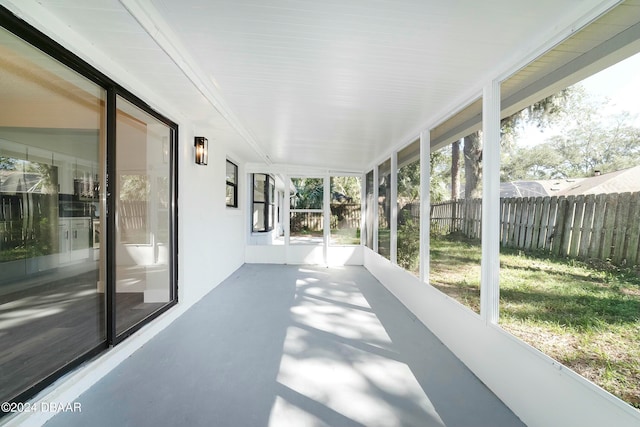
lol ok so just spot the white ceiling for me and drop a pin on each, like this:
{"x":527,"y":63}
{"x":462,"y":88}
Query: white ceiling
{"x":333,"y":83}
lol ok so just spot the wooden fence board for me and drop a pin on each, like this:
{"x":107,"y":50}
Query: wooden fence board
{"x":537,"y":220}
{"x":531,"y":211}
{"x":587,"y":225}
{"x":513,"y":221}
{"x":551,"y":226}
{"x":620,"y":227}
{"x":476,"y":219}
{"x":634,"y":230}
{"x":522,"y":221}
{"x":568,"y":224}
{"x":518,"y":221}
{"x":504,"y":220}
{"x":559,"y":227}
{"x":576,"y":230}
{"x":595,"y":245}
{"x":544,"y":224}
{"x":608,"y":227}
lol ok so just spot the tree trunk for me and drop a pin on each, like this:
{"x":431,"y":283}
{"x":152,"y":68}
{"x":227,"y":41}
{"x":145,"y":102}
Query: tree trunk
{"x":455,"y":170}
{"x":472,"y":165}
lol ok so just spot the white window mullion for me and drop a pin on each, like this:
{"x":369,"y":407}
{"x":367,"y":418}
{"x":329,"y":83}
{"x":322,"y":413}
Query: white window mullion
{"x":425,"y":203}
{"x":326,"y":218}
{"x":376,"y":184}
{"x":363,"y":211}
{"x":286,"y":214}
{"x":394,"y":209}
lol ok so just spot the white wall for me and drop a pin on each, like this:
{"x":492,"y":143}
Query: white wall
{"x":304,"y":254}
{"x":539,"y":390}
{"x":211,"y":236}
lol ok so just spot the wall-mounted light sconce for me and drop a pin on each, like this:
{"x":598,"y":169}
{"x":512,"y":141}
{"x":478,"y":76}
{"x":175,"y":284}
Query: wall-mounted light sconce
{"x":202,"y":150}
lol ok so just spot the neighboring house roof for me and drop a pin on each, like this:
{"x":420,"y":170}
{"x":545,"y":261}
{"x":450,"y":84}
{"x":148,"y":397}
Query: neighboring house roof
{"x":622,"y":181}
{"x":522,"y":189}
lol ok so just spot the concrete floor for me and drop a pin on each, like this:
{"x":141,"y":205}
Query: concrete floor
{"x":279,"y":345}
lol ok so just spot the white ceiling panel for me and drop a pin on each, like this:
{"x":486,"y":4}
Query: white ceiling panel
{"x":333,"y":83}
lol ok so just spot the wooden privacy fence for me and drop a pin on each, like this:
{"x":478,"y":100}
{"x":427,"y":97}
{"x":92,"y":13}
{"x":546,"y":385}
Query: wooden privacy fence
{"x":457,"y":216}
{"x":343,"y":215}
{"x":602,"y":226}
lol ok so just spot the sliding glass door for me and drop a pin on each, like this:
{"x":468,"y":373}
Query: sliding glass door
{"x":84,"y":260}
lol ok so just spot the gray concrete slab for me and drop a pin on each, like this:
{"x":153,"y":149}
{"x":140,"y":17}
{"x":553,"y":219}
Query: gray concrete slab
{"x":278,"y":345}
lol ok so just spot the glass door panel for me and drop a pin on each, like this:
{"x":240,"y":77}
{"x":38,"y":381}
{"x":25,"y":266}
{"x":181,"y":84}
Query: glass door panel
{"x":143,"y":193}
{"x":52,"y":144}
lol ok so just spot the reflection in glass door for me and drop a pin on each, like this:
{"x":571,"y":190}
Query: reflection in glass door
{"x":52,"y":144}
{"x":143,"y":282}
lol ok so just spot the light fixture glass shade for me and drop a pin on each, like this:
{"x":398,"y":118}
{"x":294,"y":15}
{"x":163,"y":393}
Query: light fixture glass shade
{"x":202,"y":150}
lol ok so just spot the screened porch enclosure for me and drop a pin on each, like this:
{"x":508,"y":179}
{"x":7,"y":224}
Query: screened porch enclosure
{"x":376,"y":236}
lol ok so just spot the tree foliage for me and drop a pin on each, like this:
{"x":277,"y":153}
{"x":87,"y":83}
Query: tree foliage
{"x":345,"y":187}
{"x":587,"y":141}
{"x":409,"y":182}
{"x":307,"y":193}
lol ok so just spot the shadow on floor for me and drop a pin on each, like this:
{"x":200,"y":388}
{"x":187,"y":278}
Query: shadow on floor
{"x":292,"y":346}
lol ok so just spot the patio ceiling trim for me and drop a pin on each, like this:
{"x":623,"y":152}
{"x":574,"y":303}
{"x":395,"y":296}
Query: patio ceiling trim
{"x":153,"y":23}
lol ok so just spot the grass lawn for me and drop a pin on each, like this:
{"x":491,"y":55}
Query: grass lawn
{"x":585,"y":315}
{"x":345,"y":236}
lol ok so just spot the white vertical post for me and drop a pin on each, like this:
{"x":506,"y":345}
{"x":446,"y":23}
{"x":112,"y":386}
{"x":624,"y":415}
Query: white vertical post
{"x":285,"y":216}
{"x":326,"y":222}
{"x":490,"y":279}
{"x":363,"y":211}
{"x":375,"y":208}
{"x":393,"y":246}
{"x":425,"y":203}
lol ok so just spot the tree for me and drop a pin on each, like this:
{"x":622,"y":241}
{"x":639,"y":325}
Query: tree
{"x":472,"y":165}
{"x":543,"y":113}
{"x":440,"y":167}
{"x":409,"y":182}
{"x":455,"y":170}
{"x":347,"y":186}
{"x":308,"y":193}
{"x":589,"y":140}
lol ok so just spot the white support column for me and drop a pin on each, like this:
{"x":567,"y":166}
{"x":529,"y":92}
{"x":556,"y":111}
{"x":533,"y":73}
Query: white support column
{"x":394,"y":209}
{"x":326,"y":218}
{"x":490,"y":280}
{"x":363,"y":211}
{"x":375,"y":208}
{"x":425,"y":203}
{"x":285,"y":216}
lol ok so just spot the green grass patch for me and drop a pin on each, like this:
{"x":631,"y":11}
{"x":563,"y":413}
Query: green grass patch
{"x":586,"y":315}
{"x":345,"y":236}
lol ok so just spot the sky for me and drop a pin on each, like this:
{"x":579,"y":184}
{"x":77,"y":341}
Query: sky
{"x":620,"y":83}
